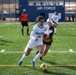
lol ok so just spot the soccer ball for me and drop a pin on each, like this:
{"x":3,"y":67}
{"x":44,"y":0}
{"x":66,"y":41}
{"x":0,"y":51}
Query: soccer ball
{"x":44,"y":67}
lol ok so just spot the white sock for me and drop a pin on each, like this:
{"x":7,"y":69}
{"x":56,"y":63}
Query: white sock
{"x":23,"y":57}
{"x":54,"y":30}
{"x":37,"y":56}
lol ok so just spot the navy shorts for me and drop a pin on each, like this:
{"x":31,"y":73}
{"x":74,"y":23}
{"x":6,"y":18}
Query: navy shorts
{"x":24,"y":23}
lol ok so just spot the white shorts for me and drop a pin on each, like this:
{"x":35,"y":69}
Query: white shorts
{"x":31,"y":44}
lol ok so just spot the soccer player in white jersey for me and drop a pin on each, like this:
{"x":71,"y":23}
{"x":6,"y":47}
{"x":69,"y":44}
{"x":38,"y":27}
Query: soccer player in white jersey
{"x":47,"y":41}
{"x":55,"y":19}
{"x":35,"y":40}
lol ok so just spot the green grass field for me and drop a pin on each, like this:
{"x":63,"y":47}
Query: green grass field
{"x":61,"y":58}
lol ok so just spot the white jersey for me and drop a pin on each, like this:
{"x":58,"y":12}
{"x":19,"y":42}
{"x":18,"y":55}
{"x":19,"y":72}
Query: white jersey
{"x":37,"y":32}
{"x":55,"y":18}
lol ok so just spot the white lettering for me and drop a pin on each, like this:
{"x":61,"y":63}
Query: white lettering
{"x":49,"y":8}
{"x":39,"y":8}
{"x":46,"y":8}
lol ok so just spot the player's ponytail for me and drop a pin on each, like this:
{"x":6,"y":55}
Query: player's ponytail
{"x":39,"y":18}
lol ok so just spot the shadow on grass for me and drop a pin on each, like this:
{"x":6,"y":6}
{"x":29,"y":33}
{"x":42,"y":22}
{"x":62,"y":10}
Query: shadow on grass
{"x":55,"y":73}
{"x":34,"y":68}
{"x":4,"y":42}
{"x":66,"y":35}
{"x":53,"y":63}
{"x":48,"y":72}
{"x":50,"y":62}
{"x":69,"y":67}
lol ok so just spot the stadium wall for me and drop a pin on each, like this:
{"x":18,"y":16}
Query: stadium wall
{"x":46,"y":11}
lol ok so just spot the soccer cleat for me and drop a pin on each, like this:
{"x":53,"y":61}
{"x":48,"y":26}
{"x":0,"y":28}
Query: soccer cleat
{"x":33,"y":63}
{"x":28,"y":34}
{"x":37,"y":52}
{"x":20,"y":63}
{"x":41,"y":58}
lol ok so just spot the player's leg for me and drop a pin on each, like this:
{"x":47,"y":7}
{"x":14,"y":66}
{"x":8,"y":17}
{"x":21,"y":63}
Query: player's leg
{"x":54,"y":30}
{"x":40,"y":49}
{"x":27,"y":26}
{"x":46,"y":50}
{"x":55,"y":26}
{"x":22,"y":30}
{"x":27,"y":51}
{"x":44,"y":45}
{"x":27,"y":30}
{"x":24,"y":56}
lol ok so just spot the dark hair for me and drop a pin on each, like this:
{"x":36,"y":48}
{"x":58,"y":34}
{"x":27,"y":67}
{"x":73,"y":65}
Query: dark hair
{"x":24,"y":11}
{"x":56,"y":13}
{"x":39,"y":18}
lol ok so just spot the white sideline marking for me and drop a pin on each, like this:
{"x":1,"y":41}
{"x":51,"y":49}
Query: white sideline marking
{"x":8,"y":29}
{"x":73,"y":28}
{"x":13,"y":65}
{"x":2,"y":51}
{"x":10,"y":52}
{"x":64,"y":28}
{"x":1,"y":36}
{"x":8,"y":23}
{"x":70,"y":50}
{"x":17,"y":28}
{"x":5,"y":25}
{"x":49,"y":50}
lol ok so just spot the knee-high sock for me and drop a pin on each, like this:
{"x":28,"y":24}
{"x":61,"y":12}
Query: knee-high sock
{"x":23,"y":57}
{"x":28,"y":31}
{"x":43,"y":54}
{"x":22,"y":32}
{"x":54,"y":30}
{"x":37,"y":56}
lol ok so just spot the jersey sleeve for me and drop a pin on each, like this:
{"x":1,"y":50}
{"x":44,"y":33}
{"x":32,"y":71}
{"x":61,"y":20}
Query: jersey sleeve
{"x":47,"y":29}
{"x":55,"y":19}
{"x":52,"y":17}
{"x":32,"y":35}
{"x":47,"y":32}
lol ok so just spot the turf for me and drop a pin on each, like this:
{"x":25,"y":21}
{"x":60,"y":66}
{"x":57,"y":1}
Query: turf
{"x":60,"y":59}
